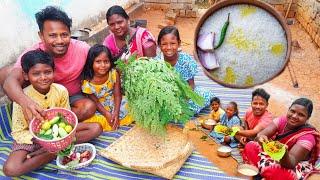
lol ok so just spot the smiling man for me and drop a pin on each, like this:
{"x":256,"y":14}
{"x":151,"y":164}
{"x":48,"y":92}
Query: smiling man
{"x":257,"y":116}
{"x":69,"y":58}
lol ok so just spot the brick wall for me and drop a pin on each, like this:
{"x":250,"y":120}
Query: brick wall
{"x":308,"y":14}
{"x":183,"y":8}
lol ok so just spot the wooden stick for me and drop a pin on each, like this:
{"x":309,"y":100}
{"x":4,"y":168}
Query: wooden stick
{"x":288,"y":9}
{"x":290,"y":67}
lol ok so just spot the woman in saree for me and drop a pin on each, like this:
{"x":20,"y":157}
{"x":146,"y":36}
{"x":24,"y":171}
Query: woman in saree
{"x":300,"y":139}
{"x":125,"y":40}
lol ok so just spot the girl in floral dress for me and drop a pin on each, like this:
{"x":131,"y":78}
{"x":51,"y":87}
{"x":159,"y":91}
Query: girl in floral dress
{"x":169,"y":42}
{"x":101,"y":82}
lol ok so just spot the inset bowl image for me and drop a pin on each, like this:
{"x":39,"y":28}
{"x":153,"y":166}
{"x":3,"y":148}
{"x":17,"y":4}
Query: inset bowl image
{"x":242,"y":43}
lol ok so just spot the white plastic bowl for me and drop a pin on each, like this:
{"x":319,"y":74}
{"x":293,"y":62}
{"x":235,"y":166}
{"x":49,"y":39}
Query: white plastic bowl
{"x":79,"y":148}
{"x":224,"y":151}
{"x":248,"y":170}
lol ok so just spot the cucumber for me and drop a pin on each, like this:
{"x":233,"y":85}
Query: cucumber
{"x":54,"y":120}
{"x":48,"y":132}
{"x":46,"y":137}
{"x":42,"y":131}
{"x":55,"y":130}
{"x":62,"y":132}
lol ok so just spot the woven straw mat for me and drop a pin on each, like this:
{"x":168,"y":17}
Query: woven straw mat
{"x":139,"y":150}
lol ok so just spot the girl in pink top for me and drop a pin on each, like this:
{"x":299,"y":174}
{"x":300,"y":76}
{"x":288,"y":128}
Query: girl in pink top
{"x":126,"y":40}
{"x":301,"y":139}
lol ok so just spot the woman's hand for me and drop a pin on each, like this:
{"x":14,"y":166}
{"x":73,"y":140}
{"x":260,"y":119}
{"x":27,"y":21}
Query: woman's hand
{"x":262,"y":139}
{"x":243,"y":140}
{"x":227,"y":139}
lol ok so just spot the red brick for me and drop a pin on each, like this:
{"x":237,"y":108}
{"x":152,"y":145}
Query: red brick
{"x":171,"y":15}
{"x":188,"y":13}
{"x":169,"y":22}
{"x":156,"y":6}
{"x":182,"y":13}
{"x":185,"y":1}
{"x":176,"y":6}
{"x":194,"y":14}
{"x":188,"y":6}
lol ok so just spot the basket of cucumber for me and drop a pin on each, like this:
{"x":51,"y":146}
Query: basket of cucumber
{"x":57,"y":131}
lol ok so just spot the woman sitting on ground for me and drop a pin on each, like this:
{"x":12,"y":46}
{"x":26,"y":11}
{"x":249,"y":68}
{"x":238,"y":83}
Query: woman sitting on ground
{"x":301,"y":140}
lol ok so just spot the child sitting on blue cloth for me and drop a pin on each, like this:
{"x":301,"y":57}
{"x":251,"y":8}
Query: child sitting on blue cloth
{"x":229,"y":119}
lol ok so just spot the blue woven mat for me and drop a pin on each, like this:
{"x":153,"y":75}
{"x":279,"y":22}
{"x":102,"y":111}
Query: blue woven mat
{"x":196,"y":166}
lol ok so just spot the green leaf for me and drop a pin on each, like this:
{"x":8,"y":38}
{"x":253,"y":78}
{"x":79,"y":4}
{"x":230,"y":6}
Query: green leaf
{"x":156,"y":93}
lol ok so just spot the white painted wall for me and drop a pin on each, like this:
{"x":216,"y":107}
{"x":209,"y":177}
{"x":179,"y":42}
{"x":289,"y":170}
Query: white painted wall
{"x":18,"y":29}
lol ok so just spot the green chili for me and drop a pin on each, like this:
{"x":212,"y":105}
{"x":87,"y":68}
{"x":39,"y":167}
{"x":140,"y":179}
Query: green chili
{"x":223,"y":33}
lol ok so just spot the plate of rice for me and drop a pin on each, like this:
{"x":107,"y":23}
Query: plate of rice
{"x":242,"y":43}
{"x":274,"y":149}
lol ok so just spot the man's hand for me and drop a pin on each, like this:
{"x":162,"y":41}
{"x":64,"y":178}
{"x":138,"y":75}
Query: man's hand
{"x":32,"y":110}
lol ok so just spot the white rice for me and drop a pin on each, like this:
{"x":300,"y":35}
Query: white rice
{"x":224,"y":149}
{"x":210,"y":122}
{"x":247,"y":172}
{"x":261,"y":29}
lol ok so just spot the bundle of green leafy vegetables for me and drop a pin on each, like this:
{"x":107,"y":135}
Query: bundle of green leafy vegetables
{"x":156,"y":93}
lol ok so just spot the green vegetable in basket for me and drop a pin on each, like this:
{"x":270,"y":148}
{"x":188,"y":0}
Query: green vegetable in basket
{"x":62,"y":132}
{"x":156,"y":93}
{"x":46,"y":125}
{"x":62,"y":124}
{"x":42,"y":131}
{"x":54,"y":120}
{"x":46,"y":137}
{"x":62,"y":118}
{"x":48,"y":132}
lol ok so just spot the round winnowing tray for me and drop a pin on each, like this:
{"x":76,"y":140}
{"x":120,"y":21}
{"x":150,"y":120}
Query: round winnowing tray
{"x":256,"y":47}
{"x":138,"y":149}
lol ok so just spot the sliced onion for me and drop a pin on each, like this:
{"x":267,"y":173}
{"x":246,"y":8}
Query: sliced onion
{"x":205,"y":41}
{"x":208,"y":59}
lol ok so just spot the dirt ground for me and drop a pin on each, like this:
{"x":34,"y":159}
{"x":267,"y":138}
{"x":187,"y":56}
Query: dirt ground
{"x":305,"y":63}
